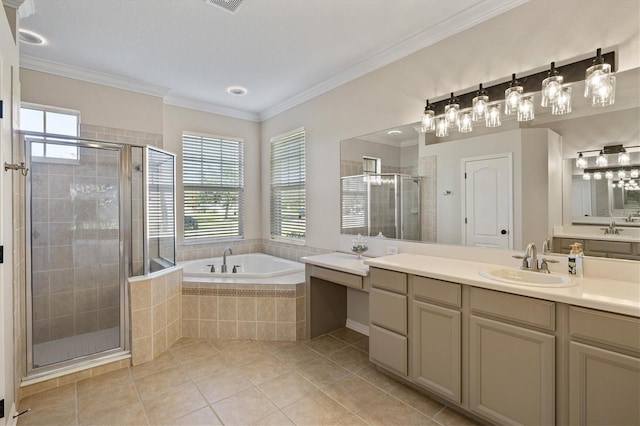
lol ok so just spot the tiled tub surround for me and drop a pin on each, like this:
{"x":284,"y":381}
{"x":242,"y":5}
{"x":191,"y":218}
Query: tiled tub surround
{"x":244,"y":311}
{"x":155,"y":314}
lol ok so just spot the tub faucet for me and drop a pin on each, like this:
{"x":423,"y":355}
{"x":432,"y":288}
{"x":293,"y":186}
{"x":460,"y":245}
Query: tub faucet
{"x":223,"y":268}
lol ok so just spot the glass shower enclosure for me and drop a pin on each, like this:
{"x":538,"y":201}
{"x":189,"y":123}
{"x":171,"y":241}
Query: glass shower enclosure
{"x":96,"y":213}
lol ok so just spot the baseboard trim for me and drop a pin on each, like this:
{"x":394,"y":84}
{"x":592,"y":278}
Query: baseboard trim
{"x":357,"y":326}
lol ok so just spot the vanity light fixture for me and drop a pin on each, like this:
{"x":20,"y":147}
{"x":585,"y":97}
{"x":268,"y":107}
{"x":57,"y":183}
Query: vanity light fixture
{"x":597,"y":176}
{"x":451,"y":111}
{"x":622,"y":174}
{"x":512,"y":96}
{"x":442,"y":128}
{"x":465,"y":122}
{"x":479,"y":105}
{"x":586,"y":176}
{"x":428,"y":119}
{"x":634,"y":173}
{"x":601,"y":161}
{"x":623,"y":158}
{"x":493,"y":116}
{"x":581,"y":162}
{"x":551,"y":87}
{"x":608,"y":174}
{"x":526,"y":109}
{"x":563,"y":102}
{"x":600,"y":83}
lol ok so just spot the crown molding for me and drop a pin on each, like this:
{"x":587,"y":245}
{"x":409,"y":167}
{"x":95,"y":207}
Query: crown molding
{"x":13,"y":3}
{"x":184,"y":102}
{"x":91,"y":76}
{"x":471,"y":16}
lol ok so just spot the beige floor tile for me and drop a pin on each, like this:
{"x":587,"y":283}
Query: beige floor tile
{"x":350,"y":358}
{"x":62,"y":415}
{"x":276,"y":345}
{"x":104,"y":382}
{"x":449,"y":417}
{"x":202,"y":417}
{"x":296,"y":356}
{"x":51,"y":398}
{"x":316,"y":409}
{"x":223,"y":384}
{"x":203,"y":367}
{"x":377,"y":378}
{"x":197,"y":350}
{"x":96,"y":404}
{"x":352,"y":392}
{"x":52,"y":407}
{"x":264,"y":368}
{"x":244,"y":408}
{"x":229,"y":344}
{"x":183,"y":342}
{"x":160,"y":382}
{"x":326,"y":344}
{"x":347,"y":335}
{"x":420,"y":402}
{"x":363,"y":344}
{"x":288,"y":388}
{"x":164,"y":361}
{"x":322,"y":372}
{"x":387,"y":410}
{"x":175,"y":404}
{"x":352,"y":420}
{"x":130,"y":414}
{"x":243,"y":354}
{"x":275,"y":419}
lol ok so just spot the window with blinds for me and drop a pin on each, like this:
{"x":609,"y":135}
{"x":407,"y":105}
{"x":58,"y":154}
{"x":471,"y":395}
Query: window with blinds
{"x":213,"y":179}
{"x":353,"y":197}
{"x":288,"y":193}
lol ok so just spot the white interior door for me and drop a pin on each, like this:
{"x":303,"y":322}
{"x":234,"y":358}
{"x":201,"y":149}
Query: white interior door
{"x":488,"y":206}
{"x":581,"y":197}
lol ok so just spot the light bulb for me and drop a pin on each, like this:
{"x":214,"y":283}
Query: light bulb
{"x":428,"y":121}
{"x":601,"y":161}
{"x":479,"y":107}
{"x":586,"y":176}
{"x":442,"y":129}
{"x":581,"y":162}
{"x":493,"y":116}
{"x":597,"y":176}
{"x":623,"y":158}
{"x":451,"y":114}
{"x":525,"y":109}
{"x":622,"y":174}
{"x":634,"y":173}
{"x":465,"y":122}
{"x":608,"y":174}
{"x":563,"y":102}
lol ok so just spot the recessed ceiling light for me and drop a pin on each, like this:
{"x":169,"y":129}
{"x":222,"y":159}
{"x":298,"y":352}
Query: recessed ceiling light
{"x":236,"y":90}
{"x":30,"y":37}
{"x":394,"y":132}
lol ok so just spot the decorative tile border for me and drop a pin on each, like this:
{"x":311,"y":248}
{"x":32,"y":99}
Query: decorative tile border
{"x":227,"y":292}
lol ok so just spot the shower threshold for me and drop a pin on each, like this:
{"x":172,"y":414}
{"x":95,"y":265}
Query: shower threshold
{"x":68,"y":348}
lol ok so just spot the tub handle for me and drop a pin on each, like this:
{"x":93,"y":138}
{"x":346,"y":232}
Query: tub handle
{"x":213,"y":268}
{"x":235,"y":268}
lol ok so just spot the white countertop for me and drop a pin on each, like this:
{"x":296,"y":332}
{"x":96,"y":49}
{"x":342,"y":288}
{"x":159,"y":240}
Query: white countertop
{"x":622,"y":297}
{"x":627,"y":235}
{"x":344,"y":262}
{"x":600,"y":237}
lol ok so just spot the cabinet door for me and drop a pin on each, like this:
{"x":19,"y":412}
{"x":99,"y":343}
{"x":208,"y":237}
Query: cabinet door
{"x":511,"y":373}
{"x":388,"y":349}
{"x":436,"y":349}
{"x":604,"y":387}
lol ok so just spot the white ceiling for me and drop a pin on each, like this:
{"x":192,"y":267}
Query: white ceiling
{"x":283,"y":51}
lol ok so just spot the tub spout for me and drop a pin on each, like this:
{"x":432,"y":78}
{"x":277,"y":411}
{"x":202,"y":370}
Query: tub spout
{"x":223,"y":268}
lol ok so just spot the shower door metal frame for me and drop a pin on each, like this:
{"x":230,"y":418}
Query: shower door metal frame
{"x":124,"y":218}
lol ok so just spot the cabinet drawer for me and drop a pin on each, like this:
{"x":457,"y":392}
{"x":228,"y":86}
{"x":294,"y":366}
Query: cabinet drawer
{"x":388,"y":349}
{"x":388,"y":280}
{"x":597,"y":326}
{"x":565,"y":243}
{"x":437,"y":291}
{"x":617,"y":247}
{"x":519,"y":309}
{"x":343,"y":278}
{"x":388,"y":310}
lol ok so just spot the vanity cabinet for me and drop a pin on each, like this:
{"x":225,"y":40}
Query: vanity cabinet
{"x":511,"y":364}
{"x":388,"y":342}
{"x":604,"y":371}
{"x":436,"y":337}
{"x":600,"y":248}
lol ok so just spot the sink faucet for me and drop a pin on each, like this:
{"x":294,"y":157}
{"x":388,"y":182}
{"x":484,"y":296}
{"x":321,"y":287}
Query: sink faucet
{"x":611,"y":229}
{"x":530,"y":258}
{"x":223,"y":268}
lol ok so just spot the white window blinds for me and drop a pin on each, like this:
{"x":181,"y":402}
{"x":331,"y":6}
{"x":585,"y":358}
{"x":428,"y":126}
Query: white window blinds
{"x":288,"y":193}
{"x":213,"y":179}
{"x":354,"y":203}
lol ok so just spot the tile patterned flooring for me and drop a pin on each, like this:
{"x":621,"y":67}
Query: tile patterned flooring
{"x":327,"y":380}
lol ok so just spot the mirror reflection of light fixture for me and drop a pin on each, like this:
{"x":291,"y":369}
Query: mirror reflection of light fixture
{"x":608,"y":174}
{"x":551,"y":87}
{"x":512,"y":96}
{"x":493,"y":116}
{"x":622,"y":174}
{"x":451,"y":111}
{"x":465,"y":122}
{"x":428,"y":119}
{"x":597,"y":176}
{"x":586,"y":176}
{"x":600,"y":84}
{"x":623,"y":158}
{"x":479,"y":105}
{"x":442,"y":129}
{"x":563,"y":102}
{"x":581,"y":162}
{"x":634,"y":173}
{"x":526,"y":109}
{"x":601,"y":161}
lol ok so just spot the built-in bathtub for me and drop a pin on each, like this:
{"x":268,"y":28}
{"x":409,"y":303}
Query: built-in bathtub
{"x":263,"y":300}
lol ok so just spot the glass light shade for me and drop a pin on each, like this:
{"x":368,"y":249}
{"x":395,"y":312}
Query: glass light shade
{"x":623,"y":158}
{"x":622,"y":174}
{"x":442,"y":129}
{"x":465,"y":122}
{"x":601,"y":161}
{"x":595,"y":77}
{"x":608,"y":174}
{"x":562,"y":104}
{"x":512,"y":97}
{"x":526,"y":109}
{"x":451,"y":112}
{"x":581,"y":162}
{"x":586,"y":176}
{"x":493,"y":116}
{"x":551,"y":89}
{"x":634,"y":173}
{"x":605,"y":94}
{"x":479,"y":107}
{"x":428,"y":121}
{"x":597,"y":176}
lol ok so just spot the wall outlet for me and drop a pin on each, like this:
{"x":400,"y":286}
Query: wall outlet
{"x":392,"y":249}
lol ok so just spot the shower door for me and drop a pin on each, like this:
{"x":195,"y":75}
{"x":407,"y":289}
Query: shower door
{"x":75,"y":196}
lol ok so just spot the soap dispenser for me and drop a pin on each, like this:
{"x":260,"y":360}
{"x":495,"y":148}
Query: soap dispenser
{"x":575,"y":260}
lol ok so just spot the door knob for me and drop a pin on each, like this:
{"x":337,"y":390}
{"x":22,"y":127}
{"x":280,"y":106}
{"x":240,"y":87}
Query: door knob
{"x":504,"y":232}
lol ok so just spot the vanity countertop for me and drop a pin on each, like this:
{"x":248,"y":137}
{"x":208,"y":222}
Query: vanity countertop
{"x":344,"y":262}
{"x":621,"y":297}
{"x":601,"y":237}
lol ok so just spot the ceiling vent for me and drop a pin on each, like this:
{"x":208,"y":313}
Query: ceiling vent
{"x":230,"y":6}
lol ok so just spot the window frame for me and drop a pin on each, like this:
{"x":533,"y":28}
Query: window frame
{"x":241,"y":191}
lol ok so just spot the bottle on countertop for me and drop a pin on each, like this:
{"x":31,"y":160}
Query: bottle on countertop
{"x":576,"y":257}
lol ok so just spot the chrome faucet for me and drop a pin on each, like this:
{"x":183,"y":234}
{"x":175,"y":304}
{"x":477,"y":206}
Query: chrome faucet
{"x":223,"y":268}
{"x":611,"y":229}
{"x":530,"y":260}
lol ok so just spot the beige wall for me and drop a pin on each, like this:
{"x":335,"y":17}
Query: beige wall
{"x":517,"y":41}
{"x":99,"y":105}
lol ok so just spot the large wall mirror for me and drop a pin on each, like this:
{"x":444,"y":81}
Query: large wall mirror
{"x":497,"y":187}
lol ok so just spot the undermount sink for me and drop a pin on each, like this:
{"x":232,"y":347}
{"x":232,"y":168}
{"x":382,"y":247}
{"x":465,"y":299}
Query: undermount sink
{"x":520,"y":277}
